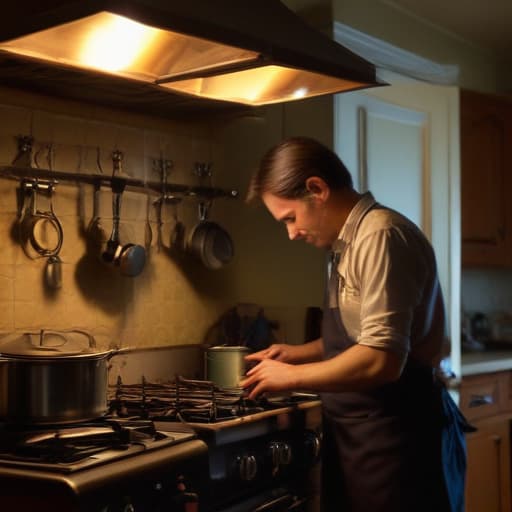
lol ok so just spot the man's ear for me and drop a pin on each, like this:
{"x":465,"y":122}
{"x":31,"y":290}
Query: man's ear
{"x":317,"y":188}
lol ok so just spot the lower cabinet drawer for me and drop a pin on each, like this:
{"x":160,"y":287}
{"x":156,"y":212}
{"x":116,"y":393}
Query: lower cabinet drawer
{"x":483,"y":395}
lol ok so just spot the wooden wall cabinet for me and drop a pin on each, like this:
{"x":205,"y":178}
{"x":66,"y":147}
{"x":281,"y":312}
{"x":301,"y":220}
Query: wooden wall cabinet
{"x":486,"y":156}
{"x":485,"y":400}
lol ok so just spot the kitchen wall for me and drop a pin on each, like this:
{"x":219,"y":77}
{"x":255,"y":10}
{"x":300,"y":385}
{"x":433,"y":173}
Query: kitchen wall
{"x":168,"y":303}
{"x":385,"y":21}
{"x":175,"y":301}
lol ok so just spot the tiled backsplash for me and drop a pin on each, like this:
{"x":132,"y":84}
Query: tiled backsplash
{"x":175,"y":301}
{"x":487,"y":290}
{"x":162,"y":306}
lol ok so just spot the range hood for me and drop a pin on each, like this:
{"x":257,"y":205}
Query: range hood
{"x":249,"y":52}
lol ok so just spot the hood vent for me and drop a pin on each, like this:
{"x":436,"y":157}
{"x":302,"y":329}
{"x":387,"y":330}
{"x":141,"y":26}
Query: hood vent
{"x":240,"y":51}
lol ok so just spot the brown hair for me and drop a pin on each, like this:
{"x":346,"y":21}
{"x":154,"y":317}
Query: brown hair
{"x":285,"y":168}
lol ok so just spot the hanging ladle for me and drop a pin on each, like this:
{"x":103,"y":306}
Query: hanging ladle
{"x":130,"y":258}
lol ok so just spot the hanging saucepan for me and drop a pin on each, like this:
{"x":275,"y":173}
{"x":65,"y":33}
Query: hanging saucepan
{"x":52,"y":377}
{"x":209,"y":242}
{"x":130,"y":258}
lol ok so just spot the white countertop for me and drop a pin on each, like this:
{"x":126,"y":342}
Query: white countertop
{"x":486,"y":362}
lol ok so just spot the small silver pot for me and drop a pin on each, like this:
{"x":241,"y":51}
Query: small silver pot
{"x":225,"y":365}
{"x":52,"y":377}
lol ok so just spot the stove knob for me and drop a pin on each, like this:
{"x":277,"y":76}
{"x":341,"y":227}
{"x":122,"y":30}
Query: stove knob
{"x":280,"y":453}
{"x":285,"y":454}
{"x":312,"y":446}
{"x":247,"y":467}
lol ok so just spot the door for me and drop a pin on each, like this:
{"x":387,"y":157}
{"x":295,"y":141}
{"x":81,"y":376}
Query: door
{"x":401,"y":142}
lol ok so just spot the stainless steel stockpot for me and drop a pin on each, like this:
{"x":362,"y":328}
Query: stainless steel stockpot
{"x":52,"y":377}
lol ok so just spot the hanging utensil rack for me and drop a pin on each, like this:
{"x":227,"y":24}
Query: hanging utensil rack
{"x":132,"y":184}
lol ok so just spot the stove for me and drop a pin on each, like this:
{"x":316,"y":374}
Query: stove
{"x":182,"y":446}
{"x":262,"y":454}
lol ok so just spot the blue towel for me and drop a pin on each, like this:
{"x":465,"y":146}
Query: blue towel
{"x":454,"y":451}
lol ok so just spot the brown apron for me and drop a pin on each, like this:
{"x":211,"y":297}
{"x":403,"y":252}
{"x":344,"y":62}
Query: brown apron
{"x":383,"y":448}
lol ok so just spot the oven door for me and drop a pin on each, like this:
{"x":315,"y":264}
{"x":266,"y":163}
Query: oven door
{"x":275,"y":500}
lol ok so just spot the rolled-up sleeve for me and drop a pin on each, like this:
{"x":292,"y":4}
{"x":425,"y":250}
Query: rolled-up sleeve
{"x":382,"y":285}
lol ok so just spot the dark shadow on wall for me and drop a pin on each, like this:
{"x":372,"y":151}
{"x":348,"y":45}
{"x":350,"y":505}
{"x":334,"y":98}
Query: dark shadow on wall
{"x":102,"y":285}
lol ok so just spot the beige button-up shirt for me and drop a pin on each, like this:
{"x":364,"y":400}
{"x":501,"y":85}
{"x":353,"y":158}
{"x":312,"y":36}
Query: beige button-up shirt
{"x":387,"y":281}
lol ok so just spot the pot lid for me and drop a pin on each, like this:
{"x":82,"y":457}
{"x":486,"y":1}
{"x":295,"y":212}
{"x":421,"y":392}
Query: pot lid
{"x":47,"y":343}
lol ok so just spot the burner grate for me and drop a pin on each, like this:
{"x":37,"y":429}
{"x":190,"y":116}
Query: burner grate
{"x":72,"y":443}
{"x":195,"y":401}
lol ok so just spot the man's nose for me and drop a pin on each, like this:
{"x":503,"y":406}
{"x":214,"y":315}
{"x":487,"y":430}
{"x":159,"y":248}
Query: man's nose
{"x":293,"y":233}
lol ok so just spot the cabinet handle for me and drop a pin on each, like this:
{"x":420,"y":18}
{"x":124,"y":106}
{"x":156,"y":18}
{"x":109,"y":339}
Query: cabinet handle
{"x":479,"y":400}
{"x":497,"y":444}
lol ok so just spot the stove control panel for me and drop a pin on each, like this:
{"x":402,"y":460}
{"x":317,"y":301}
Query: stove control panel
{"x":265,"y":457}
{"x":282,"y":459}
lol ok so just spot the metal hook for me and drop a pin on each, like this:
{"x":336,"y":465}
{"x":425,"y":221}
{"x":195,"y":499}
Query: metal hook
{"x":24,"y":155}
{"x":117,"y":158}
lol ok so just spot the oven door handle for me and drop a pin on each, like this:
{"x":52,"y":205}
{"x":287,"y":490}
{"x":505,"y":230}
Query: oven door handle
{"x":297,"y":503}
{"x":275,"y":505}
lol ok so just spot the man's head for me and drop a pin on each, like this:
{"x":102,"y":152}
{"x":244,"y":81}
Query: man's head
{"x":285,"y":168}
{"x":300,"y":181}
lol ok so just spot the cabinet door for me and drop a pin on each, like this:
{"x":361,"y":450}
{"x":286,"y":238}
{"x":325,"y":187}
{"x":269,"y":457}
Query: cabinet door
{"x":488,"y":473}
{"x":483,"y":180}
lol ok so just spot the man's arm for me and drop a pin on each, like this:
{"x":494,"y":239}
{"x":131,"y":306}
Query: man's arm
{"x":293,"y":354}
{"x":357,"y":368}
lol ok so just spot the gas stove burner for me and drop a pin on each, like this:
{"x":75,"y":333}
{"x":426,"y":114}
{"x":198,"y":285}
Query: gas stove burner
{"x":192,"y":401}
{"x":73,"y":443}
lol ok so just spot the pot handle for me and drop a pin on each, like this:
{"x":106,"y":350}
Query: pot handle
{"x":119,"y":351}
{"x":44,"y":332}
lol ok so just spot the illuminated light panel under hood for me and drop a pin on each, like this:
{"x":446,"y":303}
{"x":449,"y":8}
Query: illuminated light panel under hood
{"x":264,"y":85}
{"x":114,"y":44}
{"x":203,"y":48}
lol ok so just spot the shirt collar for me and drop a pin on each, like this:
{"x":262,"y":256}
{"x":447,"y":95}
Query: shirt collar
{"x":361,"y":208}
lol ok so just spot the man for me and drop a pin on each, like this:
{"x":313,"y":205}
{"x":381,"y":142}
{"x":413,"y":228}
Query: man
{"x":388,"y":422}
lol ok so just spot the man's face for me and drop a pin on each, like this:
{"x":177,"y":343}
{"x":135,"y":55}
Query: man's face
{"x":305,"y":219}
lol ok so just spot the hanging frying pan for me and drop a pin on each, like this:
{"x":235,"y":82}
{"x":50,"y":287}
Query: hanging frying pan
{"x":209,"y":242}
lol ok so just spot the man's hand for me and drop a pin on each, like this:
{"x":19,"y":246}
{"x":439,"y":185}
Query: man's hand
{"x":278,"y":351}
{"x":270,"y":375}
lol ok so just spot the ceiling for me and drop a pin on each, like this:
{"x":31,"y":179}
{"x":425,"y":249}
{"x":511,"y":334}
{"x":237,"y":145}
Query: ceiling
{"x":486,"y":24}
